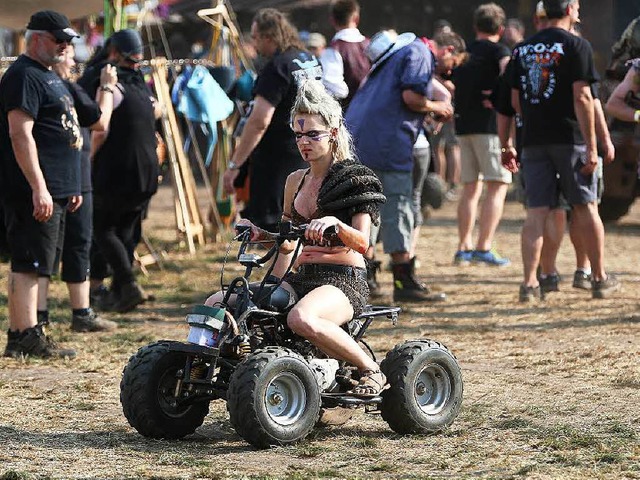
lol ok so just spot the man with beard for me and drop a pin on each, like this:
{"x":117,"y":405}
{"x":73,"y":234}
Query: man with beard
{"x":40,"y":171}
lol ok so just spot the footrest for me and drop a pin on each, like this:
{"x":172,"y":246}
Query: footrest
{"x":343,"y":399}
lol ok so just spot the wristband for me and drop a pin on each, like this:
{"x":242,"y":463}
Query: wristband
{"x":106,"y":88}
{"x":636,"y":116}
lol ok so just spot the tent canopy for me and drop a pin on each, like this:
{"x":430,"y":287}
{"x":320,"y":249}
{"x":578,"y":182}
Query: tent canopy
{"x":16,"y":13}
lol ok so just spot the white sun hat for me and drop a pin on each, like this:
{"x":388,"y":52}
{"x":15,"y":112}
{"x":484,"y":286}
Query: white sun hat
{"x":384,"y":44}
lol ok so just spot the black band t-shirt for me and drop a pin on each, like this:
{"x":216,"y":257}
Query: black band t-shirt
{"x":545,"y":68}
{"x":479,"y":73}
{"x":278,"y":84}
{"x":31,"y":87}
{"x":277,"y":155}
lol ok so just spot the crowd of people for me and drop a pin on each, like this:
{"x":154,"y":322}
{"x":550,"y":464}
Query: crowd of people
{"x":79,"y":163}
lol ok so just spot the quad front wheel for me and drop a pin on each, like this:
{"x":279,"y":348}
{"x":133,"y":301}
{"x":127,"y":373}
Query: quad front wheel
{"x":147,"y":394}
{"x":425,"y":391}
{"x":273,"y":398}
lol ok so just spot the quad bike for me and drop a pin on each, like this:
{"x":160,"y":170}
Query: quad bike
{"x":621,"y":181}
{"x":277,"y":385}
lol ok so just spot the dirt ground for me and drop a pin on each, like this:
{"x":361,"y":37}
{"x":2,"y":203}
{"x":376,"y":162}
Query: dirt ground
{"x":552,"y":389}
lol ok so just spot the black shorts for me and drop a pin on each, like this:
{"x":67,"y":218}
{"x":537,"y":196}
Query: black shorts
{"x":352,"y":281}
{"x":33,"y":244}
{"x":77,"y":243}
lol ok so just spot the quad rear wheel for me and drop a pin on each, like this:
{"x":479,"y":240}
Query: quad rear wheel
{"x":425,"y":391}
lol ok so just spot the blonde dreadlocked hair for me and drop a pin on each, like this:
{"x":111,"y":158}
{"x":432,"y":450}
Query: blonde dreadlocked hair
{"x":313,"y":99}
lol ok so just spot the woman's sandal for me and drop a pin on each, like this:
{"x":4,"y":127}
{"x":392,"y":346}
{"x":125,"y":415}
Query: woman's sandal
{"x":372,"y":383}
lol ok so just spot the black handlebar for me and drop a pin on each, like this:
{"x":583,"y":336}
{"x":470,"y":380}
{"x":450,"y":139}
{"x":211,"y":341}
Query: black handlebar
{"x":287,"y":232}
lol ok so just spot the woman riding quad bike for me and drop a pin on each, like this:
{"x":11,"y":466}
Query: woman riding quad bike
{"x":285,"y":352}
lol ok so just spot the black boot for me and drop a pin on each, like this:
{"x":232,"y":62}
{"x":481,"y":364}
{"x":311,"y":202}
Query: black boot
{"x":33,"y":342}
{"x":373,"y":266}
{"x":90,"y":321}
{"x":130,"y":296}
{"x":407,"y":288}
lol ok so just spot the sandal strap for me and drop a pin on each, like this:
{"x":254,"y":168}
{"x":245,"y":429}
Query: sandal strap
{"x":369,"y":374}
{"x":368,"y":382}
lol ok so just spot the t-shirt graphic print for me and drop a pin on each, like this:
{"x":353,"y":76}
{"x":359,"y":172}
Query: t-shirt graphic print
{"x":545,"y":68}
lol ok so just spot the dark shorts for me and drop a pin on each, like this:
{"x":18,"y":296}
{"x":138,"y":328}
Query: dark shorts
{"x":446,"y":135}
{"x":552,"y":169}
{"x":77,"y":242}
{"x":352,"y":281}
{"x":33,"y":244}
{"x":562,"y":201}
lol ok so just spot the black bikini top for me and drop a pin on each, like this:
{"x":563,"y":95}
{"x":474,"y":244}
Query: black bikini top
{"x":331,"y":240}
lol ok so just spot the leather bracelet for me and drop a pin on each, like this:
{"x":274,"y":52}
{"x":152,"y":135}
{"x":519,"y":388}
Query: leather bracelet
{"x":106,"y":88}
{"x":636,"y":116}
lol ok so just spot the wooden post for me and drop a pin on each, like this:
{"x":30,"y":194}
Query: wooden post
{"x":225,"y":45}
{"x":146,"y":259}
{"x":188,"y":216}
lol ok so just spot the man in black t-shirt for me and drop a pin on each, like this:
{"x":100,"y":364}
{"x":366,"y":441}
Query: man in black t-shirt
{"x":480,"y":162}
{"x":40,"y":170}
{"x":556,"y":222}
{"x":552,"y":77}
{"x":267,"y":136}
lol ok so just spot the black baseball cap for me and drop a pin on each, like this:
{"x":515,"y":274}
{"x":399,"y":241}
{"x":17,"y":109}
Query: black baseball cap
{"x":55,"y":23}
{"x":128,"y":42}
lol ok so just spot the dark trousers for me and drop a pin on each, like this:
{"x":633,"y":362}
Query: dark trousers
{"x":115,"y":231}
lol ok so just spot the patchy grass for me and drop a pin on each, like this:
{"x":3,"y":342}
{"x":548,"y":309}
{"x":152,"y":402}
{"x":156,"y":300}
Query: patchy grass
{"x":551,"y":389}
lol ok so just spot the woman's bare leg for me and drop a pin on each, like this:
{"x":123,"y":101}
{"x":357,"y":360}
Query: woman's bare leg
{"x":318,"y":316}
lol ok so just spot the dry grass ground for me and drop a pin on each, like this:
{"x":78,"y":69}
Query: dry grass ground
{"x":552,"y":390}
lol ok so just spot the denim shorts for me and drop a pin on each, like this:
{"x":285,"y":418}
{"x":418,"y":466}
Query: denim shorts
{"x":397,"y":214}
{"x":554,"y":169}
{"x":446,"y":135}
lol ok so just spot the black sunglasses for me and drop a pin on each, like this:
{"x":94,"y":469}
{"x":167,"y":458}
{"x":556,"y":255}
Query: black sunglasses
{"x":129,"y":59}
{"x":57,"y":40}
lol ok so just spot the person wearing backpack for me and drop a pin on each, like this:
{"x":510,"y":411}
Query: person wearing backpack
{"x":344,"y":62}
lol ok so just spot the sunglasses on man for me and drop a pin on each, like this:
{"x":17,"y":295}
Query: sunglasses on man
{"x":56,"y":40}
